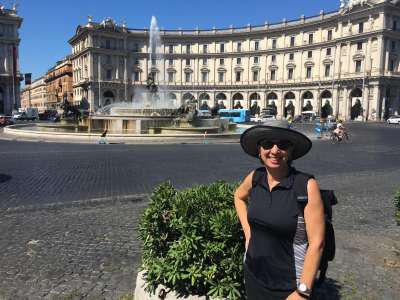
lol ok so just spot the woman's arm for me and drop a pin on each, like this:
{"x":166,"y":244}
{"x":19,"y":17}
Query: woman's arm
{"x":240,"y":197}
{"x":315,"y":227}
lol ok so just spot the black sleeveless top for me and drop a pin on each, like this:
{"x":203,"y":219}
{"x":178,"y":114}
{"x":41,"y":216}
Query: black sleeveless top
{"x":278,"y":238}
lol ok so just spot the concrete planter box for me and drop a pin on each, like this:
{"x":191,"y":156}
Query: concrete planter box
{"x":141,"y":294}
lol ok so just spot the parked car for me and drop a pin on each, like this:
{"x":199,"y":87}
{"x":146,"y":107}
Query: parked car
{"x":6,"y":120}
{"x":393,"y":119}
{"x":263,"y":118}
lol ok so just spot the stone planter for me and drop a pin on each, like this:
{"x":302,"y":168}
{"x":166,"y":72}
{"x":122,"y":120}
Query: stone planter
{"x":141,"y":294}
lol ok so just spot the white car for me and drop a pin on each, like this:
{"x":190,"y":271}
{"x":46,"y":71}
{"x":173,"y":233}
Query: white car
{"x":263,"y":118}
{"x":393,"y":120}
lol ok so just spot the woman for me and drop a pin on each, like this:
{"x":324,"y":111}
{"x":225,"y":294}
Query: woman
{"x":283,"y":248}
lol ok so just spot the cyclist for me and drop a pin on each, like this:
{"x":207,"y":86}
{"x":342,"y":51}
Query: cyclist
{"x":340,"y":130}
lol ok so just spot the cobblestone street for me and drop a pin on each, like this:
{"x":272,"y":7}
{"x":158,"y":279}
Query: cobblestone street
{"x":68,"y":213}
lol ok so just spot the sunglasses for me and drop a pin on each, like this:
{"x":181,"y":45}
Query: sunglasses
{"x":282,"y":144}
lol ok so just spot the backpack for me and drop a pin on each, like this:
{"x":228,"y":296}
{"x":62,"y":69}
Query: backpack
{"x":328,"y":199}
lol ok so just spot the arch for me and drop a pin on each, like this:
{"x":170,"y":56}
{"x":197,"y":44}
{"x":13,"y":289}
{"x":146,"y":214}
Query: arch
{"x":255,"y":96}
{"x":357,"y":92}
{"x":326,"y":94}
{"x":289,"y":105}
{"x":272,"y":96}
{"x":356,"y":110}
{"x":108,"y":97}
{"x":171,"y":96}
{"x":237,"y":96}
{"x":204,"y":96}
{"x":290,"y":96}
{"x":220,"y":96}
{"x":326,"y":104}
{"x":307,"y":101}
{"x":308,"y":95}
{"x":187,"y":96}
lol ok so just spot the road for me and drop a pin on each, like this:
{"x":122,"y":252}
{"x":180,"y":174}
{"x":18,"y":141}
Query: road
{"x":69,"y":211}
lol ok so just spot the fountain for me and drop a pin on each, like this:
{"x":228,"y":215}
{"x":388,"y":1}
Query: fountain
{"x":151,"y":111}
{"x":151,"y":114}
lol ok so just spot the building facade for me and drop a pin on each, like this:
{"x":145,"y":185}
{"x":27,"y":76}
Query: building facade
{"x":344,"y":62}
{"x":59,"y":84}
{"x":35,"y":95}
{"x":9,"y":66}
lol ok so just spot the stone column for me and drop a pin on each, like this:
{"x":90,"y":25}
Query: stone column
{"x":281,"y":107}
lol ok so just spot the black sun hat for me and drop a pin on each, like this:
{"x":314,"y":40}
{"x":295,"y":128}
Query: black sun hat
{"x":276,"y":130}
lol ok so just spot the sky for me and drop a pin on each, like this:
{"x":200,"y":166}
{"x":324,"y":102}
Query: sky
{"x":49,"y":24}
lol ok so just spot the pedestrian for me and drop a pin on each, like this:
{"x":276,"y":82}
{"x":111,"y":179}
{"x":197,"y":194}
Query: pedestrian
{"x":283,"y":243}
{"x":103,"y":139}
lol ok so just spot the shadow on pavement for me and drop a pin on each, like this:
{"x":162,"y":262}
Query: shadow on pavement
{"x":4,"y":178}
{"x":329,"y":290}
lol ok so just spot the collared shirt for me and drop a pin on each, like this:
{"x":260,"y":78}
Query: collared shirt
{"x":278,"y":240}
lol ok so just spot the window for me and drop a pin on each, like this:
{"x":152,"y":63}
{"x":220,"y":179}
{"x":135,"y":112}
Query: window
{"x":170,"y":62}
{"x":273,"y":75}
{"x":109,"y":74}
{"x":360,"y":27}
{"x":256,"y":45}
{"x":204,"y":61}
{"x":136,"y":76}
{"x":204,"y":76}
{"x":205,"y":50}
{"x":290,"y":73}
{"x":187,"y":61}
{"x":255,"y":75}
{"x":327,"y":70}
{"x":239,"y":47}
{"x":328,"y":51}
{"x":292,"y":39}
{"x":308,"y":72}
{"x":329,"y":35}
{"x":310,"y":38}
{"x":222,"y":48}
{"x":170,"y":76}
{"x":274,"y":44}
{"x":256,"y":59}
{"x":291,"y":56}
{"x":153,"y":62}
{"x":273,"y":58}
{"x":137,"y":61}
{"x":187,"y":48}
{"x":393,"y":45}
{"x":394,"y":25}
{"x":238,"y":75}
{"x":391,"y":65}
{"x":309,"y":54}
{"x":358,"y":66}
{"x":238,"y":60}
{"x":171,"y":49}
{"x":187,"y":77}
{"x":221,"y":61}
{"x":108,"y":44}
{"x":221,"y":76}
{"x":136,"y":47}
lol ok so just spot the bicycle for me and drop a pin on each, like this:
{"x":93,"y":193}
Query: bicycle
{"x":334,"y":138}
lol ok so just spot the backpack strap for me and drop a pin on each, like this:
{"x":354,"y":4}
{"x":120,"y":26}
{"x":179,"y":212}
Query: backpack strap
{"x":300,"y":189}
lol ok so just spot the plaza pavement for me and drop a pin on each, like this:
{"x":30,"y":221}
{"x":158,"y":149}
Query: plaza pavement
{"x":68,"y":213}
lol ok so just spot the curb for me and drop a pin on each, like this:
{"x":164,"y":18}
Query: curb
{"x":78,"y":203}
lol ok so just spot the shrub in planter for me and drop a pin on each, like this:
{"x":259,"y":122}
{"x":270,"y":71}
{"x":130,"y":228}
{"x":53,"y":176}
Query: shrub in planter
{"x":397,"y":207}
{"x":193,"y":242}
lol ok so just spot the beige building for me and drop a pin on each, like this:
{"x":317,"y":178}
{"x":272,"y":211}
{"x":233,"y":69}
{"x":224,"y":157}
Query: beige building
{"x":9,"y":66}
{"x":35,"y":95}
{"x":346,"y":61}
